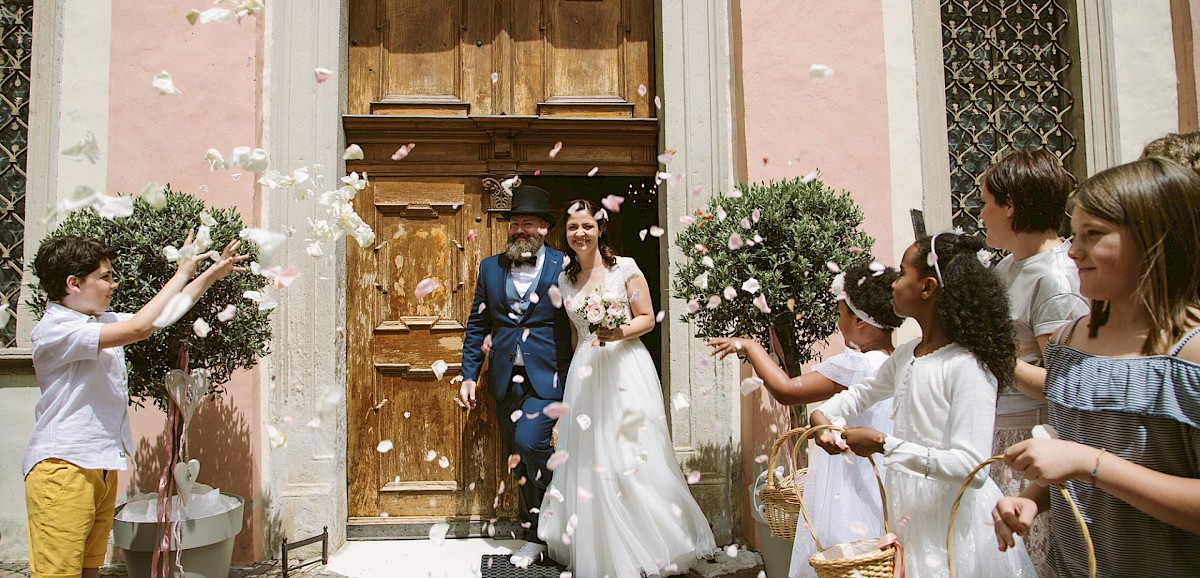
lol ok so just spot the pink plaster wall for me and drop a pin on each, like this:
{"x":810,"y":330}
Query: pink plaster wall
{"x":160,"y":138}
{"x":838,"y":124}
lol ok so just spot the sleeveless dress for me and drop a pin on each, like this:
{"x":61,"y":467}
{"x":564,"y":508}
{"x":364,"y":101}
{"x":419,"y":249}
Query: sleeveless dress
{"x":1142,"y":409}
{"x":841,"y":494}
{"x":619,"y":506}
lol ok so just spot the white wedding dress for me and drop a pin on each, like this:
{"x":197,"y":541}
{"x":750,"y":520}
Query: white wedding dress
{"x":619,"y":506}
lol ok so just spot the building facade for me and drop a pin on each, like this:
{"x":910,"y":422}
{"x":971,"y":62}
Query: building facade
{"x":921,"y":95}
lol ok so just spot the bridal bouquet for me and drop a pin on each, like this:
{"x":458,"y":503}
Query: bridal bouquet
{"x":603,"y":310}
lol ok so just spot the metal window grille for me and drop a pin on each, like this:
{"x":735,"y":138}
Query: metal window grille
{"x":16,"y":27}
{"x":1007,"y":67}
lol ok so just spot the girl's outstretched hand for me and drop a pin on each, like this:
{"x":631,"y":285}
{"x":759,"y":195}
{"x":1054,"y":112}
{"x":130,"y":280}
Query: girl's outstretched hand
{"x":1012,"y":515}
{"x":723,"y":346}
{"x":227,"y":261}
{"x":864,"y":441}
{"x":1046,"y":462}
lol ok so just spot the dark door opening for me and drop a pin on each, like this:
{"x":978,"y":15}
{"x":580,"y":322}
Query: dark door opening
{"x":638,"y":213}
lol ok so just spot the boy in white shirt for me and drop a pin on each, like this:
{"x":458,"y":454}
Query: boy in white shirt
{"x":81,"y":432}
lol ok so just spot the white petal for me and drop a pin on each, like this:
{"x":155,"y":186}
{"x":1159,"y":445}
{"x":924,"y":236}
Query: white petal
{"x":200,"y":327}
{"x":693,"y":477}
{"x":584,"y":420}
{"x":443,"y":462}
{"x":222,"y":15}
{"x":5,"y":314}
{"x":164,"y":84}
{"x":437,"y":533}
{"x":353,"y":153}
{"x":268,"y":241}
{"x":680,"y":402}
{"x":314,"y":249}
{"x":277,"y":437}
{"x":557,"y":459}
{"x":85,"y":149}
{"x":751,"y":285}
{"x":206,"y":219}
{"x":227,"y":313}
{"x":176,"y":308}
{"x":384,"y":446}
{"x":556,"y":410}
{"x":439,"y":368}
{"x":819,"y":71}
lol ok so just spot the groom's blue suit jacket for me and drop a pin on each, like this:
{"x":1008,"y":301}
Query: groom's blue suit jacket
{"x":547,"y":349}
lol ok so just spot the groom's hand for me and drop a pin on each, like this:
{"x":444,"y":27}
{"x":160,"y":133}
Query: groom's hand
{"x":466,"y":393}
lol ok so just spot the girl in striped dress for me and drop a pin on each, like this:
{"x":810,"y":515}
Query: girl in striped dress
{"x":1124,"y":384}
{"x":943,"y":390}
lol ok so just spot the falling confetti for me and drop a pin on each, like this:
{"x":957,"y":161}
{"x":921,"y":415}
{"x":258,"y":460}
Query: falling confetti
{"x":751,"y":285}
{"x":557,"y":147}
{"x":430,"y":455}
{"x":439,"y":368}
{"x":513,"y":460}
{"x":735,"y":242}
{"x":278,"y":438}
{"x":593,"y":172}
{"x":666,"y":157}
{"x":642,"y":90}
{"x":693,"y":477}
{"x":657,"y":231}
{"x":322,"y":74}
{"x":658,"y":103}
{"x":612,"y":203}
{"x":761,"y":303}
{"x":495,"y":77}
{"x":384,"y":446}
{"x":437,"y":533}
{"x":556,"y":410}
{"x":680,"y":402}
{"x":443,"y":462}
{"x":515,"y":416}
{"x":584,"y":420}
{"x":819,"y":71}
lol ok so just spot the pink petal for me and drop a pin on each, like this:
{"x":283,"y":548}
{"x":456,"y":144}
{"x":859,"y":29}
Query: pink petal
{"x":513,"y":460}
{"x":612,"y":203}
{"x":322,"y":74}
{"x":593,"y":172}
{"x":693,"y":477}
{"x":472,"y":235}
{"x":642,"y":90}
{"x":693,"y":306}
{"x":761,"y":303}
{"x":403,"y":151}
{"x":658,"y":103}
{"x":555,"y":295}
{"x":227,"y":313}
{"x":696,"y":190}
{"x":556,"y":410}
{"x":425,"y":287}
{"x":735,"y":242}
{"x":557,"y":459}
{"x":666,"y":157}
{"x":495,"y":77}
{"x":557,"y":147}
{"x":833,"y":266}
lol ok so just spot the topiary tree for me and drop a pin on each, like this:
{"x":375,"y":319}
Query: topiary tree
{"x":772,"y":242}
{"x":141,"y":270}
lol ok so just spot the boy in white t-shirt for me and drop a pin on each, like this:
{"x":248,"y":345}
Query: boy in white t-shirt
{"x":81,"y":432}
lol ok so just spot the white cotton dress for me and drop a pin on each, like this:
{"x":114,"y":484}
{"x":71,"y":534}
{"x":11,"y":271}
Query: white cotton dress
{"x":944,"y":411}
{"x":841,"y":494}
{"x":619,"y":506}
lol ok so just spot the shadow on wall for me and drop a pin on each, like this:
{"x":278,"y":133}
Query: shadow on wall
{"x":219,"y":437}
{"x":714,"y":490}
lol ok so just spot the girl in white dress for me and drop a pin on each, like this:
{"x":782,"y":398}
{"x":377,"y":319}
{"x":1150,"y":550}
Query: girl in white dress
{"x":943,"y":387}
{"x":840,"y":493}
{"x":618,"y":506}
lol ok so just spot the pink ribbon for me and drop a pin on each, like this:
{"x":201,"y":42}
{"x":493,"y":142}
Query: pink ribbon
{"x":890,"y":540}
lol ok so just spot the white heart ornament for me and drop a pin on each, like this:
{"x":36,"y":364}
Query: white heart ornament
{"x":177,"y":387}
{"x":185,"y":477}
{"x":197,"y":387}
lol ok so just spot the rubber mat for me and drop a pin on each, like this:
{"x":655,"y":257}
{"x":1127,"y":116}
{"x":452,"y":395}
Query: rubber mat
{"x":498,"y":566}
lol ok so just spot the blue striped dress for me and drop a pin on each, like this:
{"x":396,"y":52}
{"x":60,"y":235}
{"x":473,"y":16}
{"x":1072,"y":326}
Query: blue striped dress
{"x":1145,"y":410}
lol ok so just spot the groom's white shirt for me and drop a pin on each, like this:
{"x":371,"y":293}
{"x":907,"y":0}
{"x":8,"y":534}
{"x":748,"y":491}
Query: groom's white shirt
{"x":523,"y":277}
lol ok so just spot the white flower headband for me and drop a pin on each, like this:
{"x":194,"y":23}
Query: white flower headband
{"x":983,"y":255}
{"x":839,"y":290}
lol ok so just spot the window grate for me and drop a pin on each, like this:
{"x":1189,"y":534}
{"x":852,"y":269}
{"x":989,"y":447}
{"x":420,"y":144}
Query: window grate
{"x":1007,"y":68}
{"x":16,"y":27}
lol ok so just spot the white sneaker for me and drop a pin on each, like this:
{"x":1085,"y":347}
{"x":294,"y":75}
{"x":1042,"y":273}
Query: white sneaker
{"x":528,"y":554}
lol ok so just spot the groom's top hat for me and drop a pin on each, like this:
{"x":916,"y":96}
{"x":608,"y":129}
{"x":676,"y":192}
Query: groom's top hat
{"x":531,"y":200}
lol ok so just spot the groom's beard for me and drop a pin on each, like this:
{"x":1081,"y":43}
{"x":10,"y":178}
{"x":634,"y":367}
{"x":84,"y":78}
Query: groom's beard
{"x":522,"y":249}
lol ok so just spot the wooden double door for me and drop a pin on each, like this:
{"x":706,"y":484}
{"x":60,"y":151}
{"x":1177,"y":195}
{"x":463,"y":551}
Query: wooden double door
{"x":421,"y":72}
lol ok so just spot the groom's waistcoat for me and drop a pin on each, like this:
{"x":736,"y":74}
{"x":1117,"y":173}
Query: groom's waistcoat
{"x":541,"y":330}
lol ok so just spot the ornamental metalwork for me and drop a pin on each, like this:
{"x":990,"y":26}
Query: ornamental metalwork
{"x":16,"y":27}
{"x":1007,"y":67}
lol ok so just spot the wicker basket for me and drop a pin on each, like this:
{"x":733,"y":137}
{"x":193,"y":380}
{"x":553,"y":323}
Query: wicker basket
{"x":781,"y":499}
{"x":1087,"y":537}
{"x":857,"y":559}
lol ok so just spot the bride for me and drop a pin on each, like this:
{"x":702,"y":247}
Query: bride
{"x":618,"y":506}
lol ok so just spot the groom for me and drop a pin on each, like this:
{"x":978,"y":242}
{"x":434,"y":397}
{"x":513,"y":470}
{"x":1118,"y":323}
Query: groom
{"x":530,"y":349}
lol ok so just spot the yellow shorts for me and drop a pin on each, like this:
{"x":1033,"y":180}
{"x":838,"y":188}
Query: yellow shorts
{"x":70,"y":516}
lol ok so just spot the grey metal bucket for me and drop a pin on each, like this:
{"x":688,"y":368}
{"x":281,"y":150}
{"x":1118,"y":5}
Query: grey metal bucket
{"x":776,"y":552}
{"x":207,"y":544}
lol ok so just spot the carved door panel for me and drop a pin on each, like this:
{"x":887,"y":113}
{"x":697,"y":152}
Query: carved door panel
{"x":442,"y":461}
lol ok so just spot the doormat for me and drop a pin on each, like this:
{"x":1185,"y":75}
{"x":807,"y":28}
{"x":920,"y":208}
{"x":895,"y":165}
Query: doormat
{"x":498,"y":566}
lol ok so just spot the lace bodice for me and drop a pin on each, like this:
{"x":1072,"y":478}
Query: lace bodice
{"x":613,"y":282}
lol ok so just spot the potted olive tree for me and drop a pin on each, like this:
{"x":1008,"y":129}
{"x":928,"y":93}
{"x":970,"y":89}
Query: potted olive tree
{"x":177,"y":368}
{"x":760,"y":262}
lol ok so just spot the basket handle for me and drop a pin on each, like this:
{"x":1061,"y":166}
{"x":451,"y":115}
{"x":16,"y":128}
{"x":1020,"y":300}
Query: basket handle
{"x":775,"y":452}
{"x":808,"y":521}
{"x":1087,"y":536}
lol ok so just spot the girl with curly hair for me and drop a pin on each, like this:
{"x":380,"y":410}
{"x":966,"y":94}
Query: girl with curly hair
{"x":944,"y":388}
{"x":841,"y":495}
{"x":1124,"y":384}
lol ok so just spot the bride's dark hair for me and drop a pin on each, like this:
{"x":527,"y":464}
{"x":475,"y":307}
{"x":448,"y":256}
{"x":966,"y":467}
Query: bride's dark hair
{"x":606,"y":252}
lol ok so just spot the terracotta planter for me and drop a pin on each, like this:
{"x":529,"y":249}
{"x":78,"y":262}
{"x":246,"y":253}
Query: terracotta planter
{"x":207,"y":544}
